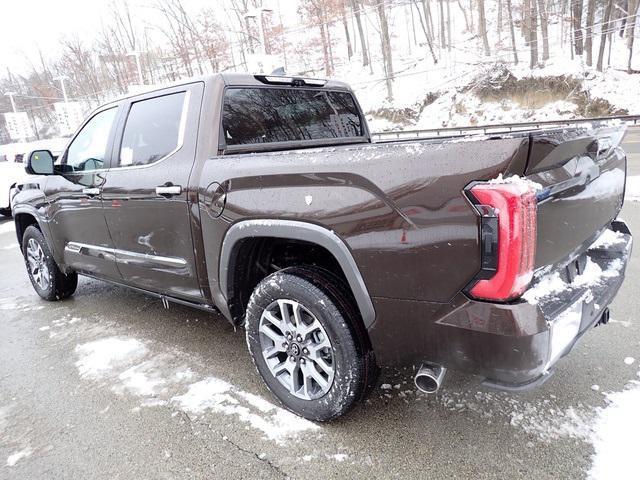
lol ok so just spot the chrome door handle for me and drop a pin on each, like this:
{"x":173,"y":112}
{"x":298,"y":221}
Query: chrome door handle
{"x":168,"y":190}
{"x":92,"y":192}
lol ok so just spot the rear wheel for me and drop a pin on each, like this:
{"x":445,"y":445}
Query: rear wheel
{"x":47,"y":279}
{"x":304,"y":337}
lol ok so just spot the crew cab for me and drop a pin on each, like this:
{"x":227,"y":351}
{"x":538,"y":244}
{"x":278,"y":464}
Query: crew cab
{"x":264,"y":198}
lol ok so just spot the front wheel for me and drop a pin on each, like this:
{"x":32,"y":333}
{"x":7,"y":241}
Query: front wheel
{"x":47,"y":279}
{"x":305,"y":342}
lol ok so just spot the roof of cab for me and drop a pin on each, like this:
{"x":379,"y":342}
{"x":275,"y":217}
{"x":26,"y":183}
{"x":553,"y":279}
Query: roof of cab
{"x":229,"y":79}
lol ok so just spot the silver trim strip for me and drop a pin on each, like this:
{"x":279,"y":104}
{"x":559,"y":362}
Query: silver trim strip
{"x":122,"y":255}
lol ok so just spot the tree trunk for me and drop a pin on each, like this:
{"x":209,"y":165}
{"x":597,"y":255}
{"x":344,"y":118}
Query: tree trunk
{"x":448,"y":26}
{"x":425,"y":29}
{"x":499,"y":21}
{"x":482,"y":27}
{"x":588,"y":43}
{"x":577,"y":7}
{"x":603,"y":33}
{"x":386,"y":49}
{"x":443,"y":39}
{"x":325,"y":50}
{"x":526,"y":21}
{"x":533,"y":34}
{"x":544,"y":28}
{"x":346,"y":32}
{"x":631,"y":25}
{"x":513,"y":33}
{"x":466,"y":20}
{"x":355,"y":6}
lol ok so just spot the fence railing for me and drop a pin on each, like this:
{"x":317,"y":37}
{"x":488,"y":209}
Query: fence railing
{"x":501,"y":128}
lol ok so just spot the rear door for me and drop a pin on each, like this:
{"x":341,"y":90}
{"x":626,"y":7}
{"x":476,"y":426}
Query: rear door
{"x":146,"y":191}
{"x":75,"y":216}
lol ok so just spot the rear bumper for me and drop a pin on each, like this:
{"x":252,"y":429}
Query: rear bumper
{"x":512,"y":345}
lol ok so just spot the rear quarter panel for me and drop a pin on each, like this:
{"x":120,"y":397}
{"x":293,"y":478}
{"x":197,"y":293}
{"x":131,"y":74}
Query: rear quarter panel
{"x":398,"y":206}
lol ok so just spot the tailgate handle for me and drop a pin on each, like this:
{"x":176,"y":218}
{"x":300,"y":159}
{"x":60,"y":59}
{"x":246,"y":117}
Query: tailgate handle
{"x":92,"y":192}
{"x":168,"y":190}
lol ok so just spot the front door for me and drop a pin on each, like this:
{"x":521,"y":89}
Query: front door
{"x":146,"y":190}
{"x":75,"y":216}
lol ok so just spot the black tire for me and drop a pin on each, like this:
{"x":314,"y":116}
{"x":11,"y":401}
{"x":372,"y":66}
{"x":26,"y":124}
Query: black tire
{"x":58,"y":285}
{"x":5,"y":212}
{"x":326,"y":298}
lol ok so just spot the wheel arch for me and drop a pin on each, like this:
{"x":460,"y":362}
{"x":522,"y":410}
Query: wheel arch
{"x":294,"y":231}
{"x":23,"y":219}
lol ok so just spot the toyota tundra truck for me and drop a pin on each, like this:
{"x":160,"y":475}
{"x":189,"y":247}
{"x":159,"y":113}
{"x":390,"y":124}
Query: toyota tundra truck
{"x":264,"y":198}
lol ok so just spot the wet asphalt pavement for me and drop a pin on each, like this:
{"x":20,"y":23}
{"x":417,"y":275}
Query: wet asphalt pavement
{"x":129,"y":416}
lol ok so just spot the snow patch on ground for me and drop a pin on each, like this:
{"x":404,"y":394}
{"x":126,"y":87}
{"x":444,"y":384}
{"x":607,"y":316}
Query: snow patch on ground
{"x":615,"y":435}
{"x":222,"y":397}
{"x":102,"y":356}
{"x":19,"y":455}
{"x":7,"y":227}
{"x":132,"y":368}
{"x":632,"y":191}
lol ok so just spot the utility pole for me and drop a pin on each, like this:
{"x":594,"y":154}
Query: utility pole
{"x":61,"y":79}
{"x":257,"y":14}
{"x":13,"y":103}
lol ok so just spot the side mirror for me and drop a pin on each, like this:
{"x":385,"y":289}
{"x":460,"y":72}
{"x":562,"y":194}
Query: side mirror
{"x":40,"y":163}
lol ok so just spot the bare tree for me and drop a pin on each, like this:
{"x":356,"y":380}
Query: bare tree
{"x":576,"y":8}
{"x":631,"y":25}
{"x":513,"y":33}
{"x":345,"y":24}
{"x":355,"y":8}
{"x":603,"y":33}
{"x":533,"y":34}
{"x":482,"y":27}
{"x":544,"y":28}
{"x":386,"y":48}
{"x":588,"y":43}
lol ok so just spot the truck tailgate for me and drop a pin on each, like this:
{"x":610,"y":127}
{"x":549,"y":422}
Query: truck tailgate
{"x":582,"y":172}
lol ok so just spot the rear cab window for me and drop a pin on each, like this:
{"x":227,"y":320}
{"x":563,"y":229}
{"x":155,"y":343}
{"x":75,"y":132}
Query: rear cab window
{"x":257,"y":118}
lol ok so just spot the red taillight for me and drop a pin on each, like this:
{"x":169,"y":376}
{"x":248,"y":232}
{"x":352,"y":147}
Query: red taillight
{"x":516,"y":208}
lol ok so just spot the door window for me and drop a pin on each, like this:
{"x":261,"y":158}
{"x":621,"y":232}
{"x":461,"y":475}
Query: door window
{"x":153,"y":130}
{"x":89,"y":148}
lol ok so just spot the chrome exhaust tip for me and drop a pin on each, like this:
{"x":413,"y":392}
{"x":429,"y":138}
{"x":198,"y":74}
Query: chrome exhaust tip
{"x":429,"y":377}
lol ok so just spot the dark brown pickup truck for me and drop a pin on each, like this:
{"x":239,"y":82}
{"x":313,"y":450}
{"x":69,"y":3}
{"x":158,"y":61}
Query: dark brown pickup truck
{"x":264,"y":198}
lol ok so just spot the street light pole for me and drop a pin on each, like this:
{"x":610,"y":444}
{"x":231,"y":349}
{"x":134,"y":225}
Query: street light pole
{"x":13,"y":103}
{"x":64,"y":90}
